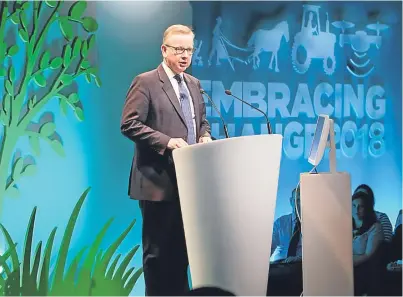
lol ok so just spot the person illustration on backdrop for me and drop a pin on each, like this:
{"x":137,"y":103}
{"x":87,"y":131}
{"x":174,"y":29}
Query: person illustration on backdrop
{"x":164,"y":110}
{"x":217,"y":47}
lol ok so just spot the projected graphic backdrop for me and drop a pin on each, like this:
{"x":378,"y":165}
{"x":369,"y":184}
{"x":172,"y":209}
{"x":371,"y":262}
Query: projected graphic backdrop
{"x":296,"y":61}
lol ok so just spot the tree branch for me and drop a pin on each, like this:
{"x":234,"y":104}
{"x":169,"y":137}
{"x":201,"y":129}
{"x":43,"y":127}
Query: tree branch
{"x":39,"y":42}
{"x":33,"y":50}
{"x":56,"y":88}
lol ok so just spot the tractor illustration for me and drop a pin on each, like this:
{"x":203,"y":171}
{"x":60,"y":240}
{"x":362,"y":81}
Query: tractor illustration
{"x":312,"y":43}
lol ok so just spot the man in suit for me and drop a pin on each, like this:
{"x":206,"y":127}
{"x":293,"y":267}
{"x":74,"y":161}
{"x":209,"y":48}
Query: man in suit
{"x":164,"y":110}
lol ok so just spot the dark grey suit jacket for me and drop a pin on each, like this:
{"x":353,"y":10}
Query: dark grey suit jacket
{"x":151,"y":116}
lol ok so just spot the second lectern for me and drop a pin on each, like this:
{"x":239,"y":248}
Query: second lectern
{"x":228,"y":191}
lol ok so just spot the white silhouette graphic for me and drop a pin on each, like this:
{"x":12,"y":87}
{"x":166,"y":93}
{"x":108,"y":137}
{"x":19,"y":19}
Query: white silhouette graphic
{"x":316,"y":43}
{"x":268,"y":41}
{"x":360,"y":43}
{"x":196,"y":59}
{"x":310,"y":43}
{"x":219,"y":49}
{"x":218,"y":46}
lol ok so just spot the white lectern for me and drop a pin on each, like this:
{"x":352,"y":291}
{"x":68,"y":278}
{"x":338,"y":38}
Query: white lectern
{"x":228,"y":191}
{"x":327,"y":253}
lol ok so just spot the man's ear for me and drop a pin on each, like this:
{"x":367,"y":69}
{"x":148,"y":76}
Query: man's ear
{"x":163,"y":50}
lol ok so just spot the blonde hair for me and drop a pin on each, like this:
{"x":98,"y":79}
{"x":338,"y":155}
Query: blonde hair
{"x":177,"y":29}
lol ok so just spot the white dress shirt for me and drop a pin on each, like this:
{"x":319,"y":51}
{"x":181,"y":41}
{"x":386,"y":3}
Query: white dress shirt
{"x":175,"y":86}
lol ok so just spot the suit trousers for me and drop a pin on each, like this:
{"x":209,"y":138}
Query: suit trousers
{"x":165,"y":260}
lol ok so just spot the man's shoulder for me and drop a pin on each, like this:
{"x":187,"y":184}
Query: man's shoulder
{"x":283,"y":218}
{"x":148,"y":75}
{"x":192,"y":78}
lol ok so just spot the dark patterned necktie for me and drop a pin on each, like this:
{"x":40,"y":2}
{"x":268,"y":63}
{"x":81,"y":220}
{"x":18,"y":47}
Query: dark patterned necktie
{"x":292,"y":248}
{"x":186,"y":109}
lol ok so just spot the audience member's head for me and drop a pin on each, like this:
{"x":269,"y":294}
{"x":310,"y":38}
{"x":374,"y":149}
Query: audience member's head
{"x":363,"y":212}
{"x":295,"y":195}
{"x":367,"y":190}
{"x":209,"y":291}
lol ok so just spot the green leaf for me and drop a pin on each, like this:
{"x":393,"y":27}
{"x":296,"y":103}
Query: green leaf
{"x":66,"y":79}
{"x":40,"y":80}
{"x":89,"y":24}
{"x":98,"y":81}
{"x":23,"y":35}
{"x":73,"y":98}
{"x":11,"y":73}
{"x":88,"y":265}
{"x":23,"y":18}
{"x":84,"y":49}
{"x":7,"y":103}
{"x":9,"y":87}
{"x":76,"y":46}
{"x":17,"y":169}
{"x":51,"y":3}
{"x":29,"y":170}
{"x":60,"y":266}
{"x":58,"y":148}
{"x":3,"y":118}
{"x":91,"y":41}
{"x":43,"y":281}
{"x":26,"y":4}
{"x":3,"y":72}
{"x":15,"y":17}
{"x":66,"y":27}
{"x":12,"y":50}
{"x":27,"y":282}
{"x":34,"y":142}
{"x":13,"y":192}
{"x":88,"y":77}
{"x":45,"y":60}
{"x":63,"y":106}
{"x":67,"y":55}
{"x":77,"y":10}
{"x":56,"y":63}
{"x":79,"y":113}
{"x":93,"y":71}
{"x":47,"y":129}
{"x":85,"y":64}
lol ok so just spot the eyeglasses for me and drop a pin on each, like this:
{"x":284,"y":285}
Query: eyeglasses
{"x":181,"y":50}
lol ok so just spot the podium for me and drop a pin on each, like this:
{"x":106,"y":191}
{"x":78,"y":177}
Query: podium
{"x":228,"y":191}
{"x":327,"y":251}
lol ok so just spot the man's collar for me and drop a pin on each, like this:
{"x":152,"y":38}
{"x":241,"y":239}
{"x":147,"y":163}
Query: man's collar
{"x":169,"y":71}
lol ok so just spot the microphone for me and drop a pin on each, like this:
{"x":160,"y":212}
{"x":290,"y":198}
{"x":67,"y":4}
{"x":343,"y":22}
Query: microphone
{"x":228,"y":92}
{"x":215,"y":107}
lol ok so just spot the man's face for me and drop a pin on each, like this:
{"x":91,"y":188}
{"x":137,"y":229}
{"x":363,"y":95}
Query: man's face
{"x":177,"y":51}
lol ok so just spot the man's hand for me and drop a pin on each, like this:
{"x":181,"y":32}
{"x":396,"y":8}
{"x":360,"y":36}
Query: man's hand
{"x":175,"y":143}
{"x":205,"y":139}
{"x":292,"y":259}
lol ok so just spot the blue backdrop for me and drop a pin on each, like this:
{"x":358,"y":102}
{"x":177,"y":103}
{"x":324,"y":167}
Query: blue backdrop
{"x":296,"y":61}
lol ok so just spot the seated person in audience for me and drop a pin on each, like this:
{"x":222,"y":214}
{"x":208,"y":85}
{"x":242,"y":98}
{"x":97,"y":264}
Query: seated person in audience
{"x":393,"y":281}
{"x":382,"y":217}
{"x":285,"y":273}
{"x":396,"y":246}
{"x":284,"y":228}
{"x":367,"y":237}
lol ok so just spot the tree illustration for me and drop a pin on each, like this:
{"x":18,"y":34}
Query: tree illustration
{"x":48,"y":72}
